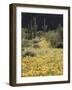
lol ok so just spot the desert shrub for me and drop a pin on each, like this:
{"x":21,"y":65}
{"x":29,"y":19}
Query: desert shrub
{"x":25,"y":30}
{"x":27,"y":36}
{"x":59,"y":45}
{"x":29,"y":53}
{"x":23,"y":35}
{"x":40,"y":33}
{"x":26,"y":43}
{"x":36,"y":40}
{"x":26,"y":33}
{"x":36,"y":46}
{"x":55,"y":38}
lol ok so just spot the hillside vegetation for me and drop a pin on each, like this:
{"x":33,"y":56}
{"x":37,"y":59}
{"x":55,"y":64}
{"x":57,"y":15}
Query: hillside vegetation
{"x":40,"y":57}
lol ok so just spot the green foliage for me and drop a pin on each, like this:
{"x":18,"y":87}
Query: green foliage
{"x":25,"y":43}
{"x":36,"y":40}
{"x":55,"y":37}
{"x":26,"y":33}
{"x":59,"y":45}
{"x":40,"y":34}
{"x":36,"y":46}
{"x":29,"y":53}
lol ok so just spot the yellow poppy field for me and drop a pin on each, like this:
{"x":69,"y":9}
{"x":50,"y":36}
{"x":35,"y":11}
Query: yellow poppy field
{"x":47,"y":61}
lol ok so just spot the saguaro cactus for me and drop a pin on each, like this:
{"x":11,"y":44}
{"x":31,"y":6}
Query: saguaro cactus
{"x":35,"y":26}
{"x":45,"y":26}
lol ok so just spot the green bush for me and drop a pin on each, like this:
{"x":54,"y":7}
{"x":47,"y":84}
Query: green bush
{"x":36,"y":46}
{"x":55,"y":38}
{"x":36,"y":40}
{"x":59,"y":45}
{"x":40,"y":33}
{"x":26,"y":33}
{"x":29,"y":53}
{"x":26,"y":43}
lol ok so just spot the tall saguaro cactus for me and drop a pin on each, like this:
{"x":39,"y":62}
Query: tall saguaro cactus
{"x":45,"y":26}
{"x":35,"y":26}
